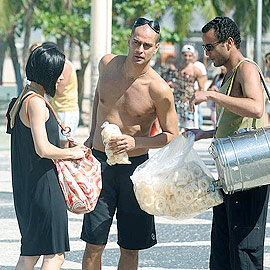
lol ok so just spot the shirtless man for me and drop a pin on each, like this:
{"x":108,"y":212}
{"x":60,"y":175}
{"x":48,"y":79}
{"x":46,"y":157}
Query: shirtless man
{"x":189,"y":74}
{"x":188,"y":67}
{"x":238,"y":229}
{"x":130,"y":94}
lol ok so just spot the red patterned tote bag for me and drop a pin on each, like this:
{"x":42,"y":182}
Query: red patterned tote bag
{"x":80,"y":179}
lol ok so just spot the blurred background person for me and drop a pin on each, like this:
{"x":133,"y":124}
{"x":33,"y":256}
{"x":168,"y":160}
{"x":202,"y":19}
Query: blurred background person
{"x":202,"y":68}
{"x":65,"y":101}
{"x":188,"y":74}
{"x":171,"y":62}
{"x":33,"y":46}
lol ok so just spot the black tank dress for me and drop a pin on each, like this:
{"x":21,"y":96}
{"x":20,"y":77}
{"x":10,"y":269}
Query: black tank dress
{"x":38,"y":199}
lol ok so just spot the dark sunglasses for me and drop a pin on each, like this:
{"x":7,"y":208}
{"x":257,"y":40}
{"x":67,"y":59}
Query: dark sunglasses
{"x":153,"y":24}
{"x":210,"y":47}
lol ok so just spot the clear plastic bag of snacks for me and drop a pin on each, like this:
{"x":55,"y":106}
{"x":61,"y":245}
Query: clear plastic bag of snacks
{"x":174,"y":182}
{"x":109,"y":131}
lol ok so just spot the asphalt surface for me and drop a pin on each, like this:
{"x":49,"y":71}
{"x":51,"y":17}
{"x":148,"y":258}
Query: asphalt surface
{"x":182,"y":245}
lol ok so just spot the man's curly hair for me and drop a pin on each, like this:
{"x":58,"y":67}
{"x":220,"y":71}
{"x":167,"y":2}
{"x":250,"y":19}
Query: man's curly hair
{"x":224,"y":28}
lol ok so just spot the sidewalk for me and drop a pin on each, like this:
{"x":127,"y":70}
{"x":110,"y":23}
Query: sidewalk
{"x":182,"y":245}
{"x":10,"y":236}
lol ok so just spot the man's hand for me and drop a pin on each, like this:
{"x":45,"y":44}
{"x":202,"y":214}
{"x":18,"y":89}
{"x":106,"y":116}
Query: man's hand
{"x":199,"y":134}
{"x":197,"y":98}
{"x":122,"y":144}
{"x":213,"y":88}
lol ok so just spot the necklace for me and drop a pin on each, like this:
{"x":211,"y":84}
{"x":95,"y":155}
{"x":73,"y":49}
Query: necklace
{"x":130,"y":77}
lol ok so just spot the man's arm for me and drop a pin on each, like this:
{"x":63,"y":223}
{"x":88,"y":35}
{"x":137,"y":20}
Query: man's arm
{"x":89,"y":141}
{"x":201,"y":79}
{"x":102,"y":65}
{"x":166,"y":114}
{"x":201,"y":134}
{"x":251,"y":104}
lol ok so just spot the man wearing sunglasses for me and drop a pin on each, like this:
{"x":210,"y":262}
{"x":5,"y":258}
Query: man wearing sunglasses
{"x":238,"y":229}
{"x":131,"y":95}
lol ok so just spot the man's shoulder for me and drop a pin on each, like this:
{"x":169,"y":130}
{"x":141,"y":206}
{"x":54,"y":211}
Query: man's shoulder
{"x":107,"y":58}
{"x":197,"y":71}
{"x":158,"y":85}
{"x":248,"y":65}
{"x":247,"y":69}
{"x":156,"y":78}
{"x":201,"y":66}
{"x":111,"y":59}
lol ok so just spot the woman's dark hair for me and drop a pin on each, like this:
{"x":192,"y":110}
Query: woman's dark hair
{"x":44,"y":66}
{"x":224,"y":28}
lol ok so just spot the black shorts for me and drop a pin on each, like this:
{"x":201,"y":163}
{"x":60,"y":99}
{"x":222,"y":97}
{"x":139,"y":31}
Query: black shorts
{"x":136,"y":228}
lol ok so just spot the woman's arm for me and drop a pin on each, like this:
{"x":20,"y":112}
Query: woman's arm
{"x":38,"y":115}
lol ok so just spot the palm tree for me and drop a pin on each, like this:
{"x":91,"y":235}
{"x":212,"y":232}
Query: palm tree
{"x":243,"y":12}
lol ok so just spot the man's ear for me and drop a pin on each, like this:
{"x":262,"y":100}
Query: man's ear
{"x":230,"y":43}
{"x":156,"y":48}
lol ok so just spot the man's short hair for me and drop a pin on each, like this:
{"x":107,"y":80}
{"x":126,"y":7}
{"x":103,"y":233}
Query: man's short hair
{"x":224,"y":28}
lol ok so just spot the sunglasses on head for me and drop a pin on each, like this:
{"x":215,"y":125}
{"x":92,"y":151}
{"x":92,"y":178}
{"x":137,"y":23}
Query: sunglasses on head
{"x":142,"y":21}
{"x":210,"y":47}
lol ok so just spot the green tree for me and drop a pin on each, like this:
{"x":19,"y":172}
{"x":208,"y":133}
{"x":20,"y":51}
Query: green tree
{"x":68,"y":21}
{"x":16,"y":19}
{"x":10,"y":13}
{"x":243,"y":12}
{"x":126,"y":11}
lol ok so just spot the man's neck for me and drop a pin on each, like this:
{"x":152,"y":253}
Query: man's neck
{"x":133,"y":72}
{"x":184,"y":65}
{"x":233,"y":61}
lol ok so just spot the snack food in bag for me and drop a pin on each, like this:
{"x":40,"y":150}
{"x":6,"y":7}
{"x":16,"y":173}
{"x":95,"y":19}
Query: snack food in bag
{"x":109,"y":131}
{"x":174,"y":182}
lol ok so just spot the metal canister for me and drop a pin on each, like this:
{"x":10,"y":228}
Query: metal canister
{"x":243,"y":160}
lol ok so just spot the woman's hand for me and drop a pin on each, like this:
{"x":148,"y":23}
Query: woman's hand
{"x":78,"y":151}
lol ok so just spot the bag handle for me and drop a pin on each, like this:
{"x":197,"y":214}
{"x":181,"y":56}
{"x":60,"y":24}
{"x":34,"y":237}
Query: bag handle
{"x":231,"y":84}
{"x":65,"y":130}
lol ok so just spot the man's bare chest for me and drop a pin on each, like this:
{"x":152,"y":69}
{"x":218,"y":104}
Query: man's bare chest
{"x":129,"y":98}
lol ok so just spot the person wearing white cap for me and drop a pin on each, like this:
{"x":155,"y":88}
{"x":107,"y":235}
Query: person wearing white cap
{"x":202,"y":68}
{"x":188,"y":75}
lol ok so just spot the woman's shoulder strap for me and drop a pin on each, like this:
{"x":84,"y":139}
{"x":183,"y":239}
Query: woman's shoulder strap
{"x":47,"y":103}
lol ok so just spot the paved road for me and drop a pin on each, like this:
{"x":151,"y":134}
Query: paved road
{"x":181,"y":245}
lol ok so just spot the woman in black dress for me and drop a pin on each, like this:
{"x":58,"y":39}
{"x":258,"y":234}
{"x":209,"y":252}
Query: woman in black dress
{"x":38,"y":199}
